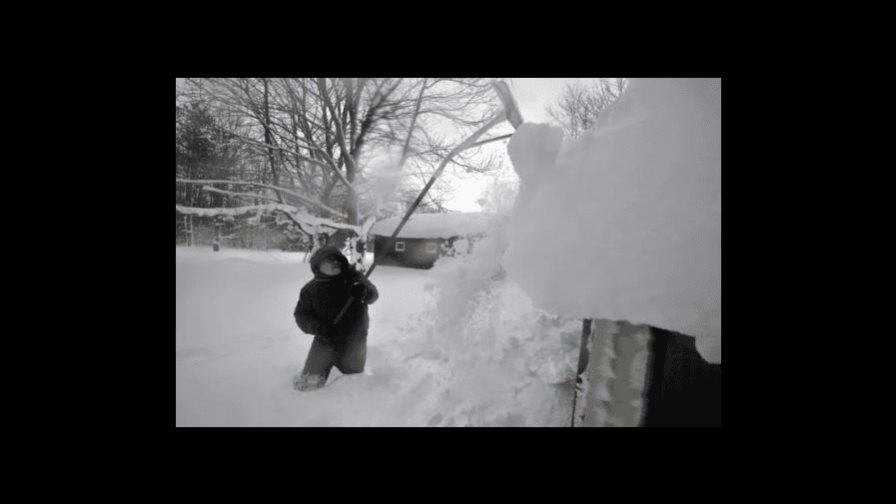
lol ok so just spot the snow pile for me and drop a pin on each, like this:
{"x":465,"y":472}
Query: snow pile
{"x":440,"y":225}
{"x":624,"y":223}
{"x":496,"y":360}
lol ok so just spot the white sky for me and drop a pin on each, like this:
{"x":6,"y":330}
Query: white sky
{"x":532,"y":96}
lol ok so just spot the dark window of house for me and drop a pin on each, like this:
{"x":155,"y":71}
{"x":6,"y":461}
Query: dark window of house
{"x":399,"y":246}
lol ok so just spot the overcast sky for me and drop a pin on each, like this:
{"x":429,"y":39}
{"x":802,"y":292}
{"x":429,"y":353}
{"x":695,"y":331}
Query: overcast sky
{"x":532,"y":95}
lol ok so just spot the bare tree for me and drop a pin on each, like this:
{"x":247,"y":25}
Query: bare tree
{"x":315,"y":133}
{"x":580,"y":104}
{"x":311,"y":139}
{"x":498,"y":196}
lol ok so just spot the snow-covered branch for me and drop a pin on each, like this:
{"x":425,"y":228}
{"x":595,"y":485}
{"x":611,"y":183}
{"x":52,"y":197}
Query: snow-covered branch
{"x":297,"y":215}
{"x":239,"y":195}
{"x":267,"y":186}
{"x":293,"y":215}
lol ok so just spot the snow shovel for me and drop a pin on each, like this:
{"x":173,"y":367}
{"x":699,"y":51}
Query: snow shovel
{"x":511,"y":113}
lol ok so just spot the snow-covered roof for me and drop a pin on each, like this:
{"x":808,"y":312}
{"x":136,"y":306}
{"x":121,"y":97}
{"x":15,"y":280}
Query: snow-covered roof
{"x":436,"y":225}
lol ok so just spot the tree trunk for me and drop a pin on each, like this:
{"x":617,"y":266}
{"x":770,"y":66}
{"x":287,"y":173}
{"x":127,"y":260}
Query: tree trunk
{"x":268,"y":138}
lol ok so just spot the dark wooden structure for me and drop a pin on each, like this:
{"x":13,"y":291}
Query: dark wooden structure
{"x":411,"y":252}
{"x":427,"y":237}
{"x":682,"y":389}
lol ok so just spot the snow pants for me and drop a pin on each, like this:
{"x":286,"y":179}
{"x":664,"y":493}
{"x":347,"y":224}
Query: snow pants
{"x":348,"y":355}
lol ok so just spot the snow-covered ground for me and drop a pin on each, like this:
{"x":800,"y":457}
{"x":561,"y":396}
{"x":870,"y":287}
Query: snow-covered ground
{"x":472,"y":351}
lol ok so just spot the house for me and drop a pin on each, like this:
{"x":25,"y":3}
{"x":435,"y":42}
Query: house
{"x":425,"y":237}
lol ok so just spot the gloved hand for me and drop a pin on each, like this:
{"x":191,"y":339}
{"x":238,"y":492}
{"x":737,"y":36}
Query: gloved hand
{"x":359,"y":291}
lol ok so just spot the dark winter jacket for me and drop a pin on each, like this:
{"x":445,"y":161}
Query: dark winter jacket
{"x":322,"y":298}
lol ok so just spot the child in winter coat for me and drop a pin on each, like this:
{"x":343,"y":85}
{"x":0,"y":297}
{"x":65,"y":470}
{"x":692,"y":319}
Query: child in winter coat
{"x":343,"y":344}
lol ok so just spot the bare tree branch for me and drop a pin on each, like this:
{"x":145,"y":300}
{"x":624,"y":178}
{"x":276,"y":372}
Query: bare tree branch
{"x":249,"y":196}
{"x":296,"y":214}
{"x":267,"y":186}
{"x":577,"y":108}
